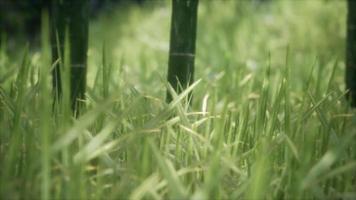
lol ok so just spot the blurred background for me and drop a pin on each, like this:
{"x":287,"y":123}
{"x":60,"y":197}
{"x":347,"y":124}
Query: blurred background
{"x":234,"y":37}
{"x":22,"y":18}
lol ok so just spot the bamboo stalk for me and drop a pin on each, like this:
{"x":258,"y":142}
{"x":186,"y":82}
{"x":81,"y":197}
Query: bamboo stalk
{"x":72,"y":17}
{"x":350,"y":75}
{"x":182,"y":45}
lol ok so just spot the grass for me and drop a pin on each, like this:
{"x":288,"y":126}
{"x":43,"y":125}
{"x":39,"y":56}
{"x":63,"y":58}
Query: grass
{"x":269,"y":118}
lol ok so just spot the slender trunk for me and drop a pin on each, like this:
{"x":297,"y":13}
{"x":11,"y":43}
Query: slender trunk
{"x":182,"y":45}
{"x":72,"y":17}
{"x":351,"y":53}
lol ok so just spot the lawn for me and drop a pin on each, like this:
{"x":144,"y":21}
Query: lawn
{"x":269,"y":118}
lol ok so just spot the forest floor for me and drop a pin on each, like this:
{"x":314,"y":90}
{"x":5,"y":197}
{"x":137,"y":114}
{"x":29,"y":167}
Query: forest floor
{"x":269,"y":118}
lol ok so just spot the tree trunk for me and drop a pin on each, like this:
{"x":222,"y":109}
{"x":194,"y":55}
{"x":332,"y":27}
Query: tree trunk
{"x":182,"y":45}
{"x":351,"y":53}
{"x":72,"y":17}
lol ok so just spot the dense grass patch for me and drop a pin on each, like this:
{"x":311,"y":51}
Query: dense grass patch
{"x":269,"y":117}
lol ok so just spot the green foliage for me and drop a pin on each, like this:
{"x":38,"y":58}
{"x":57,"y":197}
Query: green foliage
{"x":269,"y":118}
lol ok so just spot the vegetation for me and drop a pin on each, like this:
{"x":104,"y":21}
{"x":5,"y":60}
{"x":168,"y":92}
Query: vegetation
{"x":182,"y":45}
{"x":70,"y":22}
{"x":269,"y":117}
